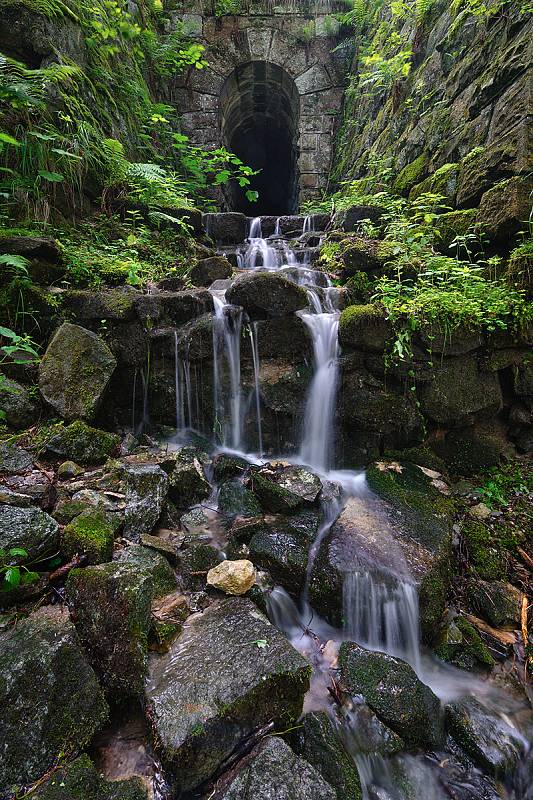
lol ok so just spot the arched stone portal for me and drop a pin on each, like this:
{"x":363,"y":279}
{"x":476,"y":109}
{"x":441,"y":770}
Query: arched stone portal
{"x":275,"y":67}
{"x":259,"y":122}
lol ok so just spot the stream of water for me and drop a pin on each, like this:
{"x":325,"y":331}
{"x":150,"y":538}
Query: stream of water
{"x":380,"y":604}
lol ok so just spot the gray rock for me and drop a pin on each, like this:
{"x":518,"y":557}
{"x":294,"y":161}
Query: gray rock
{"x":173,"y":308}
{"x":498,"y":602}
{"x":75,"y":371}
{"x":234,"y":500}
{"x":492,"y":743}
{"x":187,"y":481}
{"x":29,"y":528}
{"x":50,"y":697}
{"x":227,"y":228}
{"x":81,"y":775}
{"x":146,"y":494}
{"x":209,"y":270}
{"x":461,"y":392}
{"x":275,"y":772}
{"x":229,"y":672}
{"x":392,"y":689}
{"x":14,"y":460}
{"x":285,"y":488}
{"x":149,"y":562}
{"x":82,"y":443}
{"x":266,"y":294}
{"x":111,"y":607}
{"x":16,"y":403}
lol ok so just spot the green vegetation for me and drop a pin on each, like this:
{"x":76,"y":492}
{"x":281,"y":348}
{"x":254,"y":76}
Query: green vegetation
{"x":13,"y":575}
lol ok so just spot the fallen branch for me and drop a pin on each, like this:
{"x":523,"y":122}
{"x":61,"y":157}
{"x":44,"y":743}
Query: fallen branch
{"x":60,"y":572}
{"x":525,"y":557}
{"x":523,"y":623}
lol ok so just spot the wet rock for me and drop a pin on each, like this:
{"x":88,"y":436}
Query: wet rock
{"x":226,"y":228}
{"x":80,"y":780}
{"x":149,"y":562}
{"x":392,"y":689}
{"x":195,"y":340}
{"x":187,"y":482}
{"x":350,"y":219}
{"x":498,"y":602}
{"x":232,"y":577}
{"x":173,"y":308}
{"x":235,"y":500}
{"x":282,"y":546}
{"x":266,"y":294}
{"x":492,"y":743}
{"x":168,"y":615}
{"x":69,"y":469}
{"x":226,"y":467}
{"x":90,"y":534}
{"x":81,"y":443}
{"x":365,"y":328}
{"x":282,"y":488}
{"x":113,"y":305}
{"x":163,"y":546}
{"x":456,"y":342}
{"x":31,"y":529}
{"x":229,"y":672}
{"x":146,"y":493}
{"x":318,"y":742}
{"x":50,"y":697}
{"x":14,"y":460}
{"x":111,"y":605}
{"x":274,"y":771}
{"x":40,"y":248}
{"x":75,"y":371}
{"x":209,"y":270}
{"x":503,"y":209}
{"x":461,"y":645}
{"x":460,"y":391}
{"x":195,"y":563}
{"x":18,"y":407}
{"x":367,"y":734}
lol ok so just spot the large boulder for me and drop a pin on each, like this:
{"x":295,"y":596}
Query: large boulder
{"x":146,"y":494}
{"x":283,"y":488}
{"x":82,"y":443}
{"x":392,"y":689}
{"x":266,"y":294}
{"x":18,"y":408}
{"x":226,"y":228}
{"x":209,"y":270}
{"x":151,"y":563}
{"x":235,"y":500}
{"x":14,"y":460}
{"x":30,"y":529}
{"x":400,"y":535}
{"x":91,"y":534}
{"x":460,"y":392}
{"x":80,"y":780}
{"x":75,"y":371}
{"x":504,"y":208}
{"x":229,"y":672}
{"x":490,"y":741}
{"x":187,"y":483}
{"x":275,"y":772}
{"x":111,"y":607}
{"x":173,"y":308}
{"x":365,"y":328}
{"x":50,"y":697}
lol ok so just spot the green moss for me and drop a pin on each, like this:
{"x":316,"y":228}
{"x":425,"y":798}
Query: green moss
{"x":485,"y":554}
{"x":91,"y":534}
{"x":83,"y":444}
{"x":68,"y":509}
{"x":453,"y":224}
{"x":462,"y":646}
{"x":411,"y":174}
{"x":442,"y":182}
{"x":80,"y":781}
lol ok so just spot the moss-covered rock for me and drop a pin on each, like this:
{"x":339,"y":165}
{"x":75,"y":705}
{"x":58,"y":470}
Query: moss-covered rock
{"x":209,"y":270}
{"x":317,"y":742}
{"x":187,"y":483}
{"x":90,"y":534}
{"x":151,"y":563}
{"x":485,"y":553}
{"x":266,"y":294}
{"x":17,"y":404}
{"x":50,"y":697}
{"x":111,"y":606}
{"x":284,"y":489}
{"x":357,"y":253}
{"x":80,"y":780}
{"x":75,"y":371}
{"x":460,"y":392}
{"x":504,"y":208}
{"x":30,"y":529}
{"x":14,"y":460}
{"x":365,"y":327}
{"x":498,"y":602}
{"x":392,"y":690}
{"x":82,"y":443}
{"x":197,"y":723}
{"x":461,"y":645}
{"x":234,"y":500}
{"x":411,"y":174}
{"x":469,"y":451}
{"x":146,"y":493}
{"x":454,"y":224}
{"x":66,"y":510}
{"x":442,"y":182}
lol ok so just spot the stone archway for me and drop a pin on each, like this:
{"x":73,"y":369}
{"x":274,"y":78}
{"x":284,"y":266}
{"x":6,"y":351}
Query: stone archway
{"x":259,"y":122}
{"x":310,"y":75}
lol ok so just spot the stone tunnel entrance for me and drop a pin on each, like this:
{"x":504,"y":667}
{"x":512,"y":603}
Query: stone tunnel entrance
{"x":259,"y":117}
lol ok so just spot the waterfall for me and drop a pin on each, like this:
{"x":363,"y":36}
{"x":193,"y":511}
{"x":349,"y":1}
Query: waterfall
{"x":257,"y":386}
{"x":259,"y":254}
{"x":227,"y":340}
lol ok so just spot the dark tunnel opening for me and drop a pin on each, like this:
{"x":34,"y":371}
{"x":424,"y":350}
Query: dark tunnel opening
{"x":259,"y":120}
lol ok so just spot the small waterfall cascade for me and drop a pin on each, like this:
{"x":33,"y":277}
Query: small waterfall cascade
{"x":227,"y":397}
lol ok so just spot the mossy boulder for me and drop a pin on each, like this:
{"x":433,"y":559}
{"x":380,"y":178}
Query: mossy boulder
{"x":460,"y":392}
{"x":504,"y":208}
{"x":392,"y":689}
{"x":82,"y":443}
{"x":50,"y":697}
{"x":274,"y":771}
{"x":195,"y":561}
{"x":498,"y":602}
{"x":226,"y":228}
{"x":443,"y":182}
{"x":461,"y":645}
{"x":209,"y":270}
{"x":112,"y":305}
{"x":412,"y":174}
{"x":318,"y":742}
{"x":111,"y":607}
{"x":484,"y":736}
{"x":266,"y":294}
{"x":80,"y":780}
{"x":284,"y":489}
{"x":152,"y":564}
{"x":75,"y":372}
{"x":173,"y":308}
{"x":469,"y":451}
{"x":227,"y":466}
{"x":454,"y":224}
{"x":234,"y":500}
{"x":90,"y":534}
{"x":365,"y":327}
{"x":30,"y":529}
{"x":486,"y":554}
{"x":187,"y":483}
{"x":17,"y":404}
{"x":146,"y":494}
{"x":359,"y":254}
{"x":197,"y":723}
{"x":14,"y":460}
{"x":455,"y":342}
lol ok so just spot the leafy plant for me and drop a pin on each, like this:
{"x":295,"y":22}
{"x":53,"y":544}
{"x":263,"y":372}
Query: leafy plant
{"x":13,"y":575}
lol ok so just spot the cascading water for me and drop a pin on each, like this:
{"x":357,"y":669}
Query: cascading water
{"x":227,"y":341}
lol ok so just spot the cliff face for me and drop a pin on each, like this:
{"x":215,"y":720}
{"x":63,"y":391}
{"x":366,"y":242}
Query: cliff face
{"x":466,"y":101}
